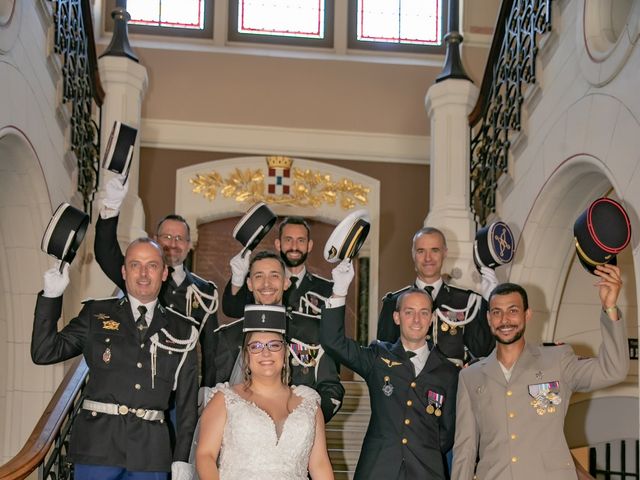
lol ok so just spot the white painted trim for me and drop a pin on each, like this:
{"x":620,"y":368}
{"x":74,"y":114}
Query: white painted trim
{"x":479,"y":40}
{"x":295,"y":142}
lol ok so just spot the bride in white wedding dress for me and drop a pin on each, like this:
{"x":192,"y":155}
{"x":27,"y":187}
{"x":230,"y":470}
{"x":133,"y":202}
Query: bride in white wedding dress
{"x":263,"y":428}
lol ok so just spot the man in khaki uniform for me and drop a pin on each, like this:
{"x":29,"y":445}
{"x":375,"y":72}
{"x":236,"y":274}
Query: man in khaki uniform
{"x":512,"y":404}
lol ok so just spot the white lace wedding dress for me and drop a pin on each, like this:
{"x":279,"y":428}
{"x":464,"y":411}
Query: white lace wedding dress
{"x":251,"y":448}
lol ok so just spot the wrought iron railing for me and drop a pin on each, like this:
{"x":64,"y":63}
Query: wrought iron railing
{"x":47,"y":446}
{"x":74,"y":42}
{"x":510,"y":67}
{"x":622,"y":467}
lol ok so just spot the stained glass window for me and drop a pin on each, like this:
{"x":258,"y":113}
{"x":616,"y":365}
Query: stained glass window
{"x":412,"y":22}
{"x":187,"y":14}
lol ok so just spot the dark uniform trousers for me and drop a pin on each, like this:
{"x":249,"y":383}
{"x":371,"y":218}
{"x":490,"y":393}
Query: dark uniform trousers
{"x":323,"y":377}
{"x":475,"y":335}
{"x":120,"y":372}
{"x":233,"y":305}
{"x":403,"y":440}
{"x":110,"y":258}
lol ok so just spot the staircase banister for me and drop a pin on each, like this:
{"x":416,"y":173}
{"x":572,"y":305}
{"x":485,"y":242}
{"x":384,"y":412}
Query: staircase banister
{"x":44,"y":433}
{"x":92,"y":56}
{"x":494,"y":54}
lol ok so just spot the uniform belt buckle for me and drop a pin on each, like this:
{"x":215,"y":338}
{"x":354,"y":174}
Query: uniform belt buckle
{"x":123,"y":409}
{"x":140,"y":412}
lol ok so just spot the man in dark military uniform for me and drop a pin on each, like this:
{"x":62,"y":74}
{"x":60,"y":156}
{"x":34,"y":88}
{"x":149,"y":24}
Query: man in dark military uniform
{"x":306,"y":291}
{"x":310,"y":365}
{"x":138,"y":352}
{"x":182,"y":291}
{"x":460,"y":315}
{"x":412,"y":389}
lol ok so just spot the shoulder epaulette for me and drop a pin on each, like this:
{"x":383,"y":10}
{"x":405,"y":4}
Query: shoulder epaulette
{"x":204,"y":280}
{"x":320,"y":277}
{"x":87,"y":300}
{"x":397,"y":292}
{"x":177,"y":313}
{"x":227,"y":325}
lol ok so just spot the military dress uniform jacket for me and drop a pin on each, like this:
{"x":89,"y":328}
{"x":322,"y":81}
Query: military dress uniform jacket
{"x":120,"y":372}
{"x":497,"y":420}
{"x":475,"y":335}
{"x":233,"y":305}
{"x":323,"y":377}
{"x":403,"y":440}
{"x":110,"y":258}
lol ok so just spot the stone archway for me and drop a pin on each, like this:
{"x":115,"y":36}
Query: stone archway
{"x":25,"y":388}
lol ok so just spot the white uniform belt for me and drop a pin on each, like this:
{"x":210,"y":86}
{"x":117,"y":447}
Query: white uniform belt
{"x":115,"y":409}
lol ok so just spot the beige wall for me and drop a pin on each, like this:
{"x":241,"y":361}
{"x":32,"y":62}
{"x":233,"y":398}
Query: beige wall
{"x":403,"y":202}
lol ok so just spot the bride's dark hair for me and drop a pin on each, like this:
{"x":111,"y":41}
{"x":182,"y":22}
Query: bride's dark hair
{"x":285,"y":375}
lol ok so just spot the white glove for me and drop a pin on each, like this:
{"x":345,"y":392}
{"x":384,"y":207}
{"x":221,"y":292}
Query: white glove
{"x":182,"y":471}
{"x":240,"y":268}
{"x":342,"y":275}
{"x":489,"y":281}
{"x":55,"y":282}
{"x":114,"y":192}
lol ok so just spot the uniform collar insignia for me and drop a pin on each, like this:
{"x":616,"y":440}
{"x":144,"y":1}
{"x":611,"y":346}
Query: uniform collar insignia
{"x":390,"y":363}
{"x":110,"y":325}
{"x":102,"y":316}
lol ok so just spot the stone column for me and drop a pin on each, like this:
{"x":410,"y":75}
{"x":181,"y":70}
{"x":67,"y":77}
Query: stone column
{"x":125,"y":83}
{"x":448,"y":103}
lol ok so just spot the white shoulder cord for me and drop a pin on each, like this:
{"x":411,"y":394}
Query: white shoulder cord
{"x":305,"y":302}
{"x":193,"y":291}
{"x":474,"y":302}
{"x":314,"y":362}
{"x":188,"y":345}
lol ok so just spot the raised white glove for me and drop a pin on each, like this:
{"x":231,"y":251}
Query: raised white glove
{"x":489,"y":281}
{"x":240,"y":268}
{"x":181,"y":471}
{"x":342,"y":275}
{"x":55,"y":282}
{"x":114,"y":192}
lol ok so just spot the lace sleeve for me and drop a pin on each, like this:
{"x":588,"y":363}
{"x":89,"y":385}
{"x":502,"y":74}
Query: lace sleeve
{"x":205,"y":394}
{"x":310,"y":398}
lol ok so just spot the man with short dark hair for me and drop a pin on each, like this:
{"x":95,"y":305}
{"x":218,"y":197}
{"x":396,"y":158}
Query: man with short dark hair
{"x":511,"y":405}
{"x":182,"y":290}
{"x":458,"y":321}
{"x":412,"y":388}
{"x":310,"y":365}
{"x":306,"y":291}
{"x":138,"y":352}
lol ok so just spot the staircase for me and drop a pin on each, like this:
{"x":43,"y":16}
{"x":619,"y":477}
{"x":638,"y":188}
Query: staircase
{"x":346,"y":429}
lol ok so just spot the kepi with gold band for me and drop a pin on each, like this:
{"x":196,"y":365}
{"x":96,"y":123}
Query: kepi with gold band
{"x":348,"y":237}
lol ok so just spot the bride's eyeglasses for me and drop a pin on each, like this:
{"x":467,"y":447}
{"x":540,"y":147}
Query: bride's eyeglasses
{"x":272,"y":345}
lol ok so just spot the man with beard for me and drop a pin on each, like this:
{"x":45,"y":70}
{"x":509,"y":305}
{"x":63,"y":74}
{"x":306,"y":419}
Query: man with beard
{"x":310,"y":366}
{"x":511,"y":405}
{"x":182,"y":291}
{"x":306,"y":292}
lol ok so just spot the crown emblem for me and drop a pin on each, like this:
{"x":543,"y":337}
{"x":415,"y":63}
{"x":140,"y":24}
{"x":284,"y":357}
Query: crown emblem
{"x":279,"y":161}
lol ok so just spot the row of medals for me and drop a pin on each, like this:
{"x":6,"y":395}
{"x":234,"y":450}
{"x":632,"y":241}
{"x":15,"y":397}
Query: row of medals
{"x":387,"y":389}
{"x":311,"y":362}
{"x":546,"y":402}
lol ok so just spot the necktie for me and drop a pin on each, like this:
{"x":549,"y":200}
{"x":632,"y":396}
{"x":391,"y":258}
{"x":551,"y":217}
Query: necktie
{"x":171,"y":270}
{"x":141,"y":322}
{"x":410,"y":354}
{"x":429,"y":289}
{"x":294,"y":281}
